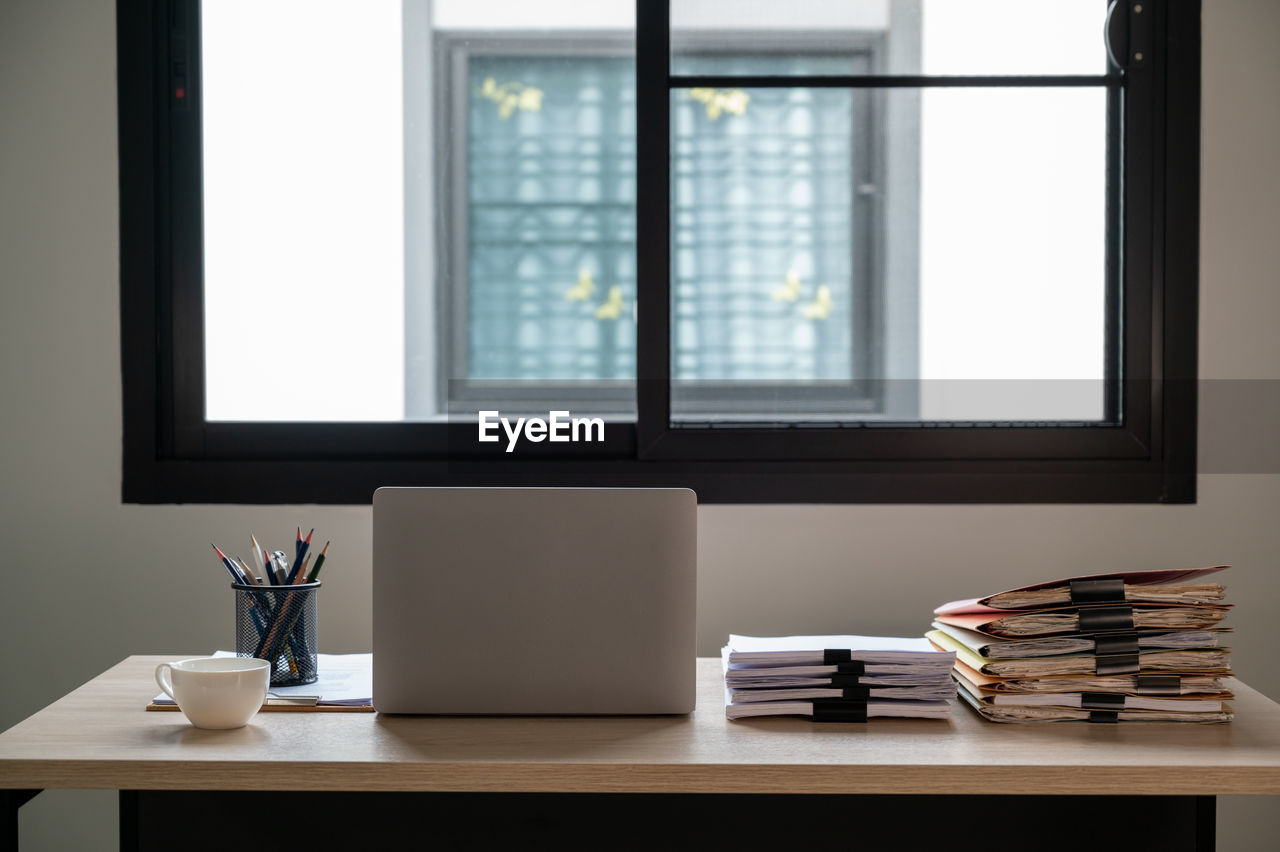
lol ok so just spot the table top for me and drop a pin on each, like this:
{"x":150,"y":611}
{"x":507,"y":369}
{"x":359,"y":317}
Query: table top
{"x":99,"y":736}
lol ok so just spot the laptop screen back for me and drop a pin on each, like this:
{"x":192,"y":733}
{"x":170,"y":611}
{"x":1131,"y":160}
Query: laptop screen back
{"x":534,"y":600}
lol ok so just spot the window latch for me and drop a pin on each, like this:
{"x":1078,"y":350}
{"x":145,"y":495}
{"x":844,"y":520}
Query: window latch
{"x":1124,"y":34}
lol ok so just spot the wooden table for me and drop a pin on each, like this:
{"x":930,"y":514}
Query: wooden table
{"x":100,"y":737}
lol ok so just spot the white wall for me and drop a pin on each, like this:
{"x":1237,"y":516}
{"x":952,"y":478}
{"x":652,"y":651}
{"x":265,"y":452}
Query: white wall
{"x":88,"y":581}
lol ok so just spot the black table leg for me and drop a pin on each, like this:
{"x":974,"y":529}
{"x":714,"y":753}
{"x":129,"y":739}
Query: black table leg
{"x":1206,"y":823}
{"x":10,"y":801}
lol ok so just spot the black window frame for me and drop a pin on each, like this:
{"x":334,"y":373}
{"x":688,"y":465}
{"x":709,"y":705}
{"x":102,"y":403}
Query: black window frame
{"x":171,"y":455}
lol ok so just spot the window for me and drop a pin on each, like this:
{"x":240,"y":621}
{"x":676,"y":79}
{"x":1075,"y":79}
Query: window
{"x":542,"y":214}
{"x":873,"y":251}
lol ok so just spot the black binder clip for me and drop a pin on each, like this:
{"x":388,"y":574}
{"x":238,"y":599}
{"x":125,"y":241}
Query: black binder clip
{"x":1097,"y":591}
{"x":846,"y":680}
{"x":835,"y":656}
{"x":1115,"y":643}
{"x":1107,"y":665}
{"x":852,"y":667}
{"x":1102,"y":700}
{"x":1159,"y":684}
{"x":1105,"y":619}
{"x":839,"y":710}
{"x":1106,"y":717}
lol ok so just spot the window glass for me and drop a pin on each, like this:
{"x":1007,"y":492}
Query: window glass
{"x":551,"y":267}
{"x":935,"y":37}
{"x":443,"y":218}
{"x":765,"y":249}
{"x":303,"y":211}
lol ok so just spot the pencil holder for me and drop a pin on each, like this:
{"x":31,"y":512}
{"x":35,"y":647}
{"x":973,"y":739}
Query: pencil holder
{"x":278,"y":624}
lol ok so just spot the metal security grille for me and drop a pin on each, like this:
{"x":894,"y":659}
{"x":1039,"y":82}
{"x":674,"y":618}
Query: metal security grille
{"x":765,"y":189}
{"x":762,"y":284}
{"x":551,"y":224}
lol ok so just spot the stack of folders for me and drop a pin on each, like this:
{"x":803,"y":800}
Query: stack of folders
{"x":1137,"y":646}
{"x":836,"y":678}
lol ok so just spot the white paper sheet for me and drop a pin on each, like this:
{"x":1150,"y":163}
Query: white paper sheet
{"x":344,"y":679}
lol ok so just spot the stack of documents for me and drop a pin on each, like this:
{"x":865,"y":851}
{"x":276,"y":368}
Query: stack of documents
{"x":836,"y":678}
{"x":1137,"y":646}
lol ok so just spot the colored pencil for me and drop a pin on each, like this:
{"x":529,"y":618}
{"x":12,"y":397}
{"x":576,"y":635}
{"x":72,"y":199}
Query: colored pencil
{"x":228,"y":564}
{"x":249,"y":572}
{"x":315,"y":569}
{"x":257,"y":553}
{"x":301,"y":576}
{"x":301,"y":551}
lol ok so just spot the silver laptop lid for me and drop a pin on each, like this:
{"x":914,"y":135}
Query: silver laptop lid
{"x":534,"y":600}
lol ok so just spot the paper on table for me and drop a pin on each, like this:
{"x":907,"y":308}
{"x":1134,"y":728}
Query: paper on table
{"x":899,"y":709}
{"x":1029,"y":713}
{"x":1134,"y":580}
{"x":874,"y":676}
{"x":808,"y":650}
{"x":1205,"y":686}
{"x":1011,"y":649}
{"x":1194,"y":661}
{"x":345,"y":680}
{"x":915,"y":657}
{"x":932,"y":692}
{"x":1008,"y":624}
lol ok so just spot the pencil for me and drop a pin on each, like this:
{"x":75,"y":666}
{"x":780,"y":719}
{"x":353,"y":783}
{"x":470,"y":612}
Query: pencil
{"x":257,"y":553}
{"x":268,"y":570}
{"x":249,"y":572}
{"x":302,"y":571}
{"x":229,"y":565}
{"x":315,"y":570}
{"x":302,"y":547}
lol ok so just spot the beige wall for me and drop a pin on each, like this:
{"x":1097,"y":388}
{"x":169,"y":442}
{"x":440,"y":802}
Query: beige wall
{"x":88,"y":580}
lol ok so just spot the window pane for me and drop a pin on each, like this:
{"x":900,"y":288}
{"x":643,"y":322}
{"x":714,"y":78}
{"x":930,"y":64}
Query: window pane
{"x":1012,"y":253}
{"x":303,"y":210}
{"x":441,"y":218}
{"x":945,"y":37}
{"x":551,"y":231}
{"x":766,"y":263}
{"x":901,"y":254}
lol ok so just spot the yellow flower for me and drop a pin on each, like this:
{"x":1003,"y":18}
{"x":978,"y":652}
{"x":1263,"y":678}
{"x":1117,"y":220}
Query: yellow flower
{"x":531,"y":99}
{"x":790,"y":290}
{"x":611,"y":308}
{"x":820,"y":307}
{"x":581,"y":291}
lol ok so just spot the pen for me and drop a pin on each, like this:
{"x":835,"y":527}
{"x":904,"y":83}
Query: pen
{"x":315,"y":570}
{"x":281,"y":567}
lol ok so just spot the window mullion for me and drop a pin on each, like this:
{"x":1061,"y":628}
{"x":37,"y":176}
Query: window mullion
{"x":653,"y":224}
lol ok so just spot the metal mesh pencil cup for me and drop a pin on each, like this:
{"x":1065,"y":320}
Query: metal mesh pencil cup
{"x":278,"y":624}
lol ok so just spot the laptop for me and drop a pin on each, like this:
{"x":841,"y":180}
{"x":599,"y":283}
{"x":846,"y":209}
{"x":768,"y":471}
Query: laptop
{"x":526,"y":601}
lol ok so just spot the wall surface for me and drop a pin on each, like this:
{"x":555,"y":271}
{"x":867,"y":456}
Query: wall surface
{"x":88,"y":581}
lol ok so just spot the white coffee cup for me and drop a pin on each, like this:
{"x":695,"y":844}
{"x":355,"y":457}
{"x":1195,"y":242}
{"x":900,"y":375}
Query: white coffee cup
{"x":216,"y":692}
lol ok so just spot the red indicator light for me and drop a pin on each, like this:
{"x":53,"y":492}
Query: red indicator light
{"x":179,"y":92}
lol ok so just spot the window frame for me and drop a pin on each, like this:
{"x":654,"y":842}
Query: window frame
{"x":451,"y":52}
{"x":171,"y":454}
